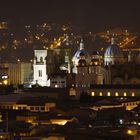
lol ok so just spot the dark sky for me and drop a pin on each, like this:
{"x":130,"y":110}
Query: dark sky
{"x":97,"y":13}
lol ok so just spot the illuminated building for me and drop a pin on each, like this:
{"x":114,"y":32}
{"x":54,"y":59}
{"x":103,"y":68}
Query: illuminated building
{"x":15,"y":73}
{"x":33,"y":104}
{"x":116,"y":70}
{"x":89,"y":73}
{"x":40,"y":76}
{"x":109,"y":91}
{"x":76,"y":56}
{"x":121,"y":68}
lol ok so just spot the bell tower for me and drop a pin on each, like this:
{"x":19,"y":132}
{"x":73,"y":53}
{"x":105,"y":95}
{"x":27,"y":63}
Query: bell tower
{"x":40,"y":76}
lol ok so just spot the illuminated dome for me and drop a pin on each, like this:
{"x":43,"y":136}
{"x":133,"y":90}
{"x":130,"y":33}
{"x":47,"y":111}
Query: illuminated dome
{"x":81,"y":51}
{"x":77,"y":54}
{"x":113,"y":54}
{"x":113,"y":51}
{"x":80,"y":57}
{"x":82,"y":63}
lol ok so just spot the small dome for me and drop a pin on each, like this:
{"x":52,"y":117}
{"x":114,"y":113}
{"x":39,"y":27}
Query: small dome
{"x":113,"y":51}
{"x":82,"y":62}
{"x":95,"y":53}
{"x":79,"y":53}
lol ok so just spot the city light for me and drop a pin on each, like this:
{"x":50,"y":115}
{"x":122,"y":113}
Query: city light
{"x":129,"y":132}
{"x":5,"y":82}
{"x":69,"y":69}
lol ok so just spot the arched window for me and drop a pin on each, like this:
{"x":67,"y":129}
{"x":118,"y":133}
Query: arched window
{"x":92,"y":93}
{"x":124,"y":94}
{"x":100,"y":94}
{"x":41,"y":59}
{"x":133,"y":94}
{"x":108,"y":93}
{"x":116,"y":94}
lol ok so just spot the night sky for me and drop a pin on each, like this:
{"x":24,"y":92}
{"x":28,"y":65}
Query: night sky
{"x":93,"y":13}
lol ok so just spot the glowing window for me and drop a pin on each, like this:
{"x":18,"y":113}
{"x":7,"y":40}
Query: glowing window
{"x":108,"y":94}
{"x":133,"y":94}
{"x":124,"y":94}
{"x":116,"y":94}
{"x":92,"y":93}
{"x":100,"y":94}
{"x":96,"y":63}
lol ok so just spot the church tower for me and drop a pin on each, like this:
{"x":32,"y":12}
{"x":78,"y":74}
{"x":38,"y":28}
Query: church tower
{"x":76,"y":56}
{"x":95,"y":69}
{"x":40,"y":69}
{"x":81,"y":78}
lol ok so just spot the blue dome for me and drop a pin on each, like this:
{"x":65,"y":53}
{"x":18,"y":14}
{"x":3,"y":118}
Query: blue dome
{"x":95,"y":53}
{"x":113,"y":50}
{"x":79,"y":52}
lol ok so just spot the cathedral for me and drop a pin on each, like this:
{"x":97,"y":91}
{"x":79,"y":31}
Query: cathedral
{"x":114,"y":67}
{"x":122,"y":69}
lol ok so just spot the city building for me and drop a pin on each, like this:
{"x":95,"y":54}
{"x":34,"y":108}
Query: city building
{"x":58,"y":80}
{"x":114,"y":69}
{"x":27,"y":102}
{"x":62,"y":80}
{"x":15,"y":73}
{"x":89,"y":73}
{"x":40,"y":76}
{"x":111,"y":90}
{"x":48,"y":62}
{"x":121,"y":69}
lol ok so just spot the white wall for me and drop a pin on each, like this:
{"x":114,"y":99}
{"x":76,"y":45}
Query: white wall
{"x":40,"y":68}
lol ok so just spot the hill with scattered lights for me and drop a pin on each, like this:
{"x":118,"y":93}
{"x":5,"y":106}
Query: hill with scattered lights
{"x":17,"y":41}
